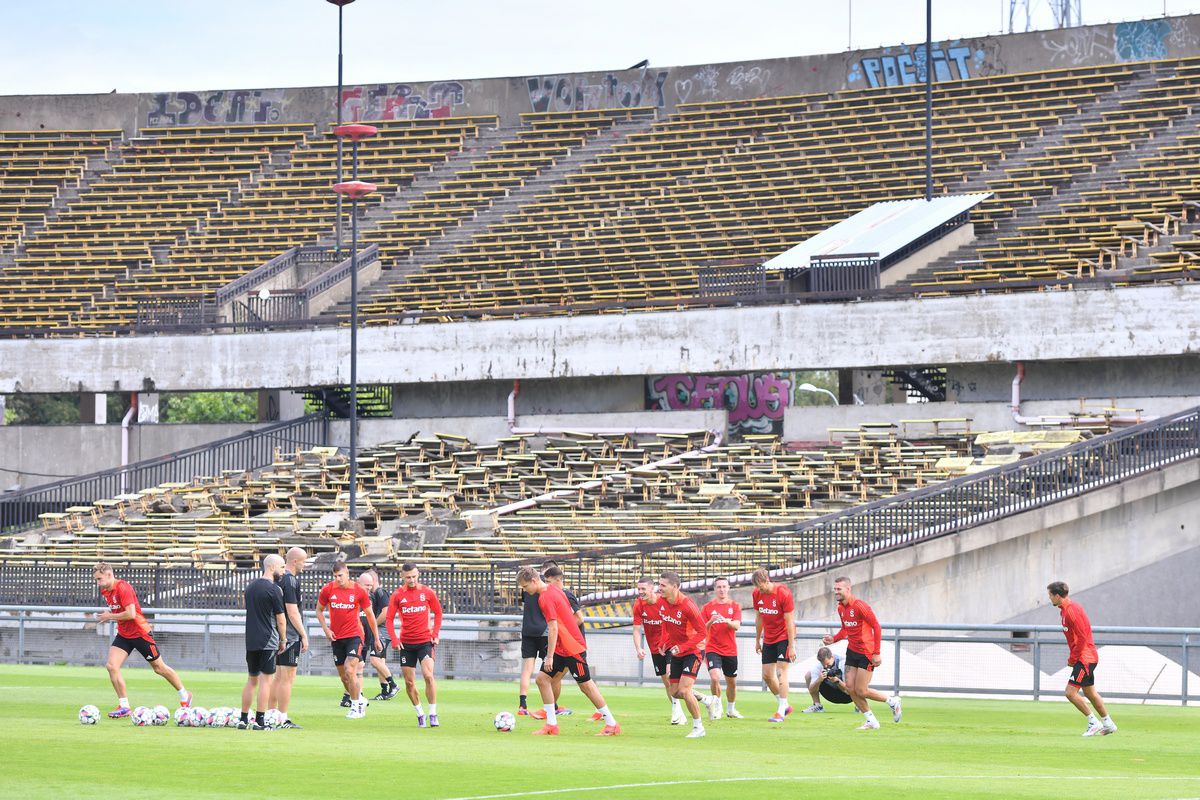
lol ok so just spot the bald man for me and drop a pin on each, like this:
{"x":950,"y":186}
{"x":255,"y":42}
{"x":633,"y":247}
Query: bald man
{"x":265,"y":636}
{"x":297,"y":634}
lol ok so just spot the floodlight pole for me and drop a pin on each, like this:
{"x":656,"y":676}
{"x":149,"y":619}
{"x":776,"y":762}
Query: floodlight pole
{"x":337,"y":225}
{"x":355,"y":190}
{"x":929,"y":100}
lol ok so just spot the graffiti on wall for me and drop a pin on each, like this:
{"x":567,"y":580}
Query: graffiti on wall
{"x":1143,"y":40}
{"x":578,"y":93}
{"x":216,"y":108}
{"x":754,"y":402}
{"x":905,"y":65}
{"x":402,"y":101}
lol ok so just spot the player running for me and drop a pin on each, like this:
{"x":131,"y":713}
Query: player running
{"x":133,"y":633}
{"x":344,"y":599}
{"x":568,"y":651}
{"x":413,"y":603}
{"x":863,"y":638}
{"x":647,"y":625}
{"x":552,"y":574}
{"x":683,"y":641}
{"x":723,"y":617}
{"x":825,"y":681}
{"x":774,"y":636}
{"x":388,"y":689}
{"x":297,"y":634}
{"x":266,"y":634}
{"x":1082,"y":660}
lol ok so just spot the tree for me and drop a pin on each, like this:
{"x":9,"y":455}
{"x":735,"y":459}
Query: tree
{"x":208,"y":407}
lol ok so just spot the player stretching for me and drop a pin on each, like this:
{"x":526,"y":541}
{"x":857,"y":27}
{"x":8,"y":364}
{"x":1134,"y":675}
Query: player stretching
{"x":568,"y":651}
{"x":683,"y":641}
{"x":647,"y":624}
{"x":388,"y":689}
{"x":343,"y":599}
{"x":414,"y":603}
{"x":863,"y":636}
{"x":297,"y":634}
{"x":1082,"y":660}
{"x":723,"y":617}
{"x":774,"y":636}
{"x":133,"y":633}
{"x":266,"y":637}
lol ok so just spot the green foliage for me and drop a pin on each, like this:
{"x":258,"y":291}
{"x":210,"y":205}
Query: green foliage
{"x":42,"y":409}
{"x":208,"y":407}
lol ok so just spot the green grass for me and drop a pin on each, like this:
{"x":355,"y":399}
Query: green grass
{"x":943,"y":748}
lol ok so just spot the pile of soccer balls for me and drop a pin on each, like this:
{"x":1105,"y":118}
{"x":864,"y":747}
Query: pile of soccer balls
{"x":195,"y":717}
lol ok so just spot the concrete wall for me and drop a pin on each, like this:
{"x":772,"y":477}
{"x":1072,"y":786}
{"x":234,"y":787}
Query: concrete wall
{"x":1046,"y":326}
{"x":31,"y":455}
{"x":661,"y":87}
{"x":490,"y":398}
{"x":1067,"y":380}
{"x":999,"y":571}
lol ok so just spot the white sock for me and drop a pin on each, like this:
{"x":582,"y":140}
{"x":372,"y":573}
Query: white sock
{"x":1107,"y":720}
{"x":609,"y":719}
{"x":417,"y":708}
{"x":183,"y":694}
{"x":1092,"y":720}
{"x":697,"y":725}
{"x":729,"y":705}
{"x":674,"y":704}
{"x":551,"y":717}
{"x":783,"y":704}
{"x":433,"y":709}
{"x":122,"y":702}
{"x":870,"y":715}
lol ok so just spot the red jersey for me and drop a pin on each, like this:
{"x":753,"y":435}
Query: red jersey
{"x":860,"y":628}
{"x":683,"y":627}
{"x":721,"y":637}
{"x":344,"y":605}
{"x":1078,"y":629}
{"x":557,"y":608}
{"x":414,"y":607}
{"x":121,"y":595}
{"x":773,"y":608}
{"x":648,"y":617}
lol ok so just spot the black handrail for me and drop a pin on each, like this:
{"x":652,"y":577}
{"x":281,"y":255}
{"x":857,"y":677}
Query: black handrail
{"x":866,"y":530}
{"x":249,"y":450}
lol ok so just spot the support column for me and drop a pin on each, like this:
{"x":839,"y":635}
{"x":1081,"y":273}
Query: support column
{"x":278,"y":404}
{"x":93,"y":408}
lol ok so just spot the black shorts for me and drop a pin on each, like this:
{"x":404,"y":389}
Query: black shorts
{"x":369,"y":650}
{"x":343,"y":649}
{"x":776,"y":652}
{"x":727,"y":664}
{"x":534,"y":646}
{"x":290,"y":657}
{"x":859,"y":661}
{"x":834,"y":694}
{"x":261,"y":662}
{"x":143,"y":644}
{"x":412,"y":654}
{"x":688,"y":665}
{"x":660,"y":661}
{"x":1083,"y":674}
{"x":576,"y":665}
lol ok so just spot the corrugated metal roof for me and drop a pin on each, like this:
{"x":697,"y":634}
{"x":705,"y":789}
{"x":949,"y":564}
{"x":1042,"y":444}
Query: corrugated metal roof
{"x":884,"y":228}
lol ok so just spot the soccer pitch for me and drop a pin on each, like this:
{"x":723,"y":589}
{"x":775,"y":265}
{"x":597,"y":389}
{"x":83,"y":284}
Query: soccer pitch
{"x":943,"y":748}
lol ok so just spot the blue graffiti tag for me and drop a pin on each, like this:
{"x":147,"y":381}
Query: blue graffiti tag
{"x":909,"y":67}
{"x":1144,"y":40}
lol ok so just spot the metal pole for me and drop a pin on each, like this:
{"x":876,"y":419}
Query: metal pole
{"x":21,"y":639}
{"x":896,"y":666}
{"x":1183,"y":689}
{"x":353,"y":344}
{"x":928,"y":99}
{"x":338,"y":102}
{"x":1037,"y":664}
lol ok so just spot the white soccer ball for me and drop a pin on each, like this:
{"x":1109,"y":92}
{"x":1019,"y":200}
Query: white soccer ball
{"x":505,"y":722}
{"x":197,"y":717}
{"x":161,"y":715}
{"x":89,"y":715}
{"x":182,"y":717}
{"x":142,"y":717}
{"x":273,"y":718}
{"x":216,"y":718}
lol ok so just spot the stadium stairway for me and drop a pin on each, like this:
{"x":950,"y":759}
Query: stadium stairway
{"x":497,"y":210}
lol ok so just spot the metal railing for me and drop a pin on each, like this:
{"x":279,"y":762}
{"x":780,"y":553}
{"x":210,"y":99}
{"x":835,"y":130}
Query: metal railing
{"x":245,"y":451}
{"x":182,"y":588}
{"x":862,"y":531}
{"x":307,"y":254}
{"x":1016,"y":661}
{"x":167,"y":311}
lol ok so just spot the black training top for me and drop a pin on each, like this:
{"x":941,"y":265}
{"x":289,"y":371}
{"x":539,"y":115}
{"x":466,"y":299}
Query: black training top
{"x":533,"y":622}
{"x":263,"y":601}
{"x":290,"y":584}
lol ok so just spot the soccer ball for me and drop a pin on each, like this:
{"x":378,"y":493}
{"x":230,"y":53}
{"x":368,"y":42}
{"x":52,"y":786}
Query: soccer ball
{"x":181,"y":717}
{"x":505,"y":722}
{"x":89,"y":715}
{"x":161,"y":715}
{"x":198,"y":717}
{"x":216,"y":718}
{"x":142,"y":717}
{"x":273,"y":718}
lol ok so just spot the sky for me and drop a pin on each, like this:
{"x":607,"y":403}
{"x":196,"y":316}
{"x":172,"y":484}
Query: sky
{"x":96,"y":46}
